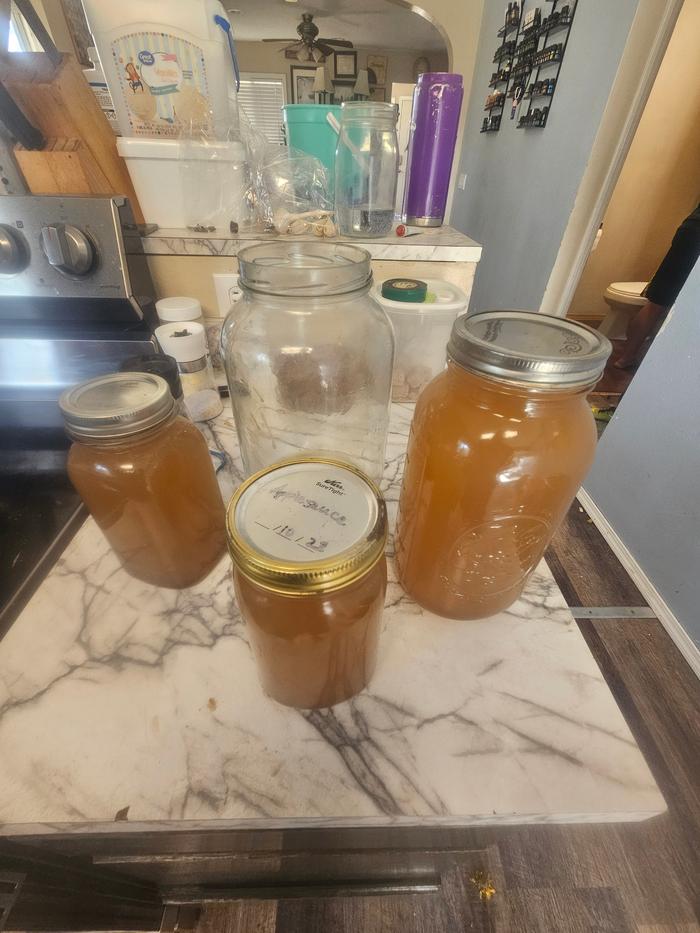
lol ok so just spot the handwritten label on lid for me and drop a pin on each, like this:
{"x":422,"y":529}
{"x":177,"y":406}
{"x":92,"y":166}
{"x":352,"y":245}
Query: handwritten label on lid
{"x":306,"y":512}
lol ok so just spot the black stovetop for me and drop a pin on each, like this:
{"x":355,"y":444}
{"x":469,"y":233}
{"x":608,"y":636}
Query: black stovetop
{"x":39,"y":513}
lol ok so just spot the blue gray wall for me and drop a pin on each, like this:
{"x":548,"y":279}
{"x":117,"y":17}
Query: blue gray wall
{"x":646,"y":478}
{"x":521,"y":184}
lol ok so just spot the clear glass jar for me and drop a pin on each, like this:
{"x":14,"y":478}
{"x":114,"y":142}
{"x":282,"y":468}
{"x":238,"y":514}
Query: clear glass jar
{"x":366,"y":169}
{"x":146,"y":476}
{"x":499,"y":445}
{"x":307,"y":541}
{"x":309,"y":356}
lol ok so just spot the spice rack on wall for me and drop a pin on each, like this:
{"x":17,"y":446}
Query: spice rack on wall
{"x":528,"y":64}
{"x":503,"y":59}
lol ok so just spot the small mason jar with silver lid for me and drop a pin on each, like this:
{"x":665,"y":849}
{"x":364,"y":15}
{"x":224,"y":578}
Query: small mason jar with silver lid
{"x":499,"y":445}
{"x":146,"y":476}
{"x":307,"y":540}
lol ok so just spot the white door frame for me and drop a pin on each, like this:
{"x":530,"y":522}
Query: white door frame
{"x":645,"y":48}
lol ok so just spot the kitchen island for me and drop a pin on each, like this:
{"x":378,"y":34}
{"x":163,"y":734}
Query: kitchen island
{"x":128,"y":708}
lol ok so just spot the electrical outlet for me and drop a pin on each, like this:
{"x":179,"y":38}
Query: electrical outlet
{"x":462,"y":181}
{"x":228,"y":291}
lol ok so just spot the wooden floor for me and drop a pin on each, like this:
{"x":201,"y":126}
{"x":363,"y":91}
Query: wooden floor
{"x":559,"y":879}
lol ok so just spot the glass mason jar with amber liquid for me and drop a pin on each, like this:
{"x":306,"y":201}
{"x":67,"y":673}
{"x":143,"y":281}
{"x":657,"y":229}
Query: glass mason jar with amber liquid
{"x":307,"y":540}
{"x":499,"y":445}
{"x":146,"y":476}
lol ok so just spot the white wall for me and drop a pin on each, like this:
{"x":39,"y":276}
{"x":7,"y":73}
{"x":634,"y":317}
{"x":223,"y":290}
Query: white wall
{"x":646,"y":478}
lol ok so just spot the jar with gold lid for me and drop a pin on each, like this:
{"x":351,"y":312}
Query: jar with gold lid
{"x":307,"y":540}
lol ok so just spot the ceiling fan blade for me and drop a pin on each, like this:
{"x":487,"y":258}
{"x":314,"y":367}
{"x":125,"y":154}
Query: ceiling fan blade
{"x":287,"y":39}
{"x":322,"y":47}
{"x":342,"y":42}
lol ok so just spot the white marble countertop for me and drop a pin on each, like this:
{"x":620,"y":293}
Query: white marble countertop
{"x":437,"y":244}
{"x":116,"y":694}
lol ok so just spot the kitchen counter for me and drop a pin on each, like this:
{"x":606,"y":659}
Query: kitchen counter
{"x":120,"y":701}
{"x":436,"y":244}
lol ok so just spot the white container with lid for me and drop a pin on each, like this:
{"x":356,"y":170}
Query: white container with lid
{"x":178,"y":308}
{"x":187,"y":343}
{"x":183,"y":183}
{"x":168,"y":65}
{"x":422,"y":330}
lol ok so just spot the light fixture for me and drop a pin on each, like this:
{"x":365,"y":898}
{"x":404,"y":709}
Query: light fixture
{"x":361,"y":89}
{"x":322,"y":89}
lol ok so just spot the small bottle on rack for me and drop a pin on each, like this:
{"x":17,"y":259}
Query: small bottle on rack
{"x":509,"y":15}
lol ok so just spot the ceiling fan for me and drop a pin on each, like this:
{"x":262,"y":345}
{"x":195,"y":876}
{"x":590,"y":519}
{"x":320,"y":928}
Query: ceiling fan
{"x":308,"y":46}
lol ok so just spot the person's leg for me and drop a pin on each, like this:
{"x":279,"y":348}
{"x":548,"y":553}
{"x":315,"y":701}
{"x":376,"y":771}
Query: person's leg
{"x":639,"y":328}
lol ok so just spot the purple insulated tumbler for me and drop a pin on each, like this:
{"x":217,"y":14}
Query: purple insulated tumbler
{"x":437,"y":100}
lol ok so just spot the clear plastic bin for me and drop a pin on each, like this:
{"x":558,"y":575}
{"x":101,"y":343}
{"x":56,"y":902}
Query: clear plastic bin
{"x":421,"y":331}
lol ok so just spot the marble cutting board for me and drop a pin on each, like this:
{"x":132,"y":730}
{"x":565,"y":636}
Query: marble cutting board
{"x":117,"y":694}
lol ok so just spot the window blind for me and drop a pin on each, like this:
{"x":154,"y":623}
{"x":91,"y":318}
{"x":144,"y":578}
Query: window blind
{"x":262,"y":97}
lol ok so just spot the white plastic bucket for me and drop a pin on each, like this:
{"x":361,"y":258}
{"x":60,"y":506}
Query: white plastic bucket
{"x":167,"y":64}
{"x":182,"y":183}
{"x":422,"y":330}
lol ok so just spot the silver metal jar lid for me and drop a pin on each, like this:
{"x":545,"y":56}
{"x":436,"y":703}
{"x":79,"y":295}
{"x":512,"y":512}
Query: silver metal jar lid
{"x":526,"y":346}
{"x":304,"y":269}
{"x":116,"y":405}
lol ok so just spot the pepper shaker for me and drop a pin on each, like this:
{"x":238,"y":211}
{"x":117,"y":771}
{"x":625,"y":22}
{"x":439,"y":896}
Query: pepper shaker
{"x":187,"y":343}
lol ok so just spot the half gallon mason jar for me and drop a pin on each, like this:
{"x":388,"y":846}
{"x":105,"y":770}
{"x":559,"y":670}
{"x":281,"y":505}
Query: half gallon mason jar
{"x":366,"y":169}
{"x":309,"y":356}
{"x":499,"y":445}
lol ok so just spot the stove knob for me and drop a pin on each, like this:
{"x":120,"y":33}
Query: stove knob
{"x":68,"y":249}
{"x":13,"y":254}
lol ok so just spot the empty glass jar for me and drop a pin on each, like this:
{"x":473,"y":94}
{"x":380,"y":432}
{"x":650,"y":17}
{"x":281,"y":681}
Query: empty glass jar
{"x":309,"y":356}
{"x":366,"y":169}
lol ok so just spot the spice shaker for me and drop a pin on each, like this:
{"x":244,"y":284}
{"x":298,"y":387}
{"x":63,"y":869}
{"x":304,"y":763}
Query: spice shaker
{"x":187,"y":343}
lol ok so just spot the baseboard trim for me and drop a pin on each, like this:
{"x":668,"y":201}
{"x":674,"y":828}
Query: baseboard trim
{"x":662,"y":610}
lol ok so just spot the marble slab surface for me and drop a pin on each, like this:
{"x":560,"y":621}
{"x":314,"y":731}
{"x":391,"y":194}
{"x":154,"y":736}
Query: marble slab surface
{"x":439,"y":244}
{"x":116,"y":694}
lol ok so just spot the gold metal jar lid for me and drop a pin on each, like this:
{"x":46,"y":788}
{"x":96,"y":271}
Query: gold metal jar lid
{"x":306,"y":525}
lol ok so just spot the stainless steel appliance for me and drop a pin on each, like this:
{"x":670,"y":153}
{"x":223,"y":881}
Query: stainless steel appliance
{"x":76,"y":298}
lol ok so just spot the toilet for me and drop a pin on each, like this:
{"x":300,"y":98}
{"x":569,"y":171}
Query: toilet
{"x":623,"y":299}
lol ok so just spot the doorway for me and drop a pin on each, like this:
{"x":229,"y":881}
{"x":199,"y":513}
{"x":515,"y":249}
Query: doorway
{"x":657,"y":188}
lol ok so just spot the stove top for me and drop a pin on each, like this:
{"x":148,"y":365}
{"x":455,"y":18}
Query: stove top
{"x":40,"y":511}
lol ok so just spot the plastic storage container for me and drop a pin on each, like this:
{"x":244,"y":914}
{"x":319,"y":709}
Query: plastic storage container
{"x":309,"y":131}
{"x":182,"y":183}
{"x":422,"y":330}
{"x":499,"y":445}
{"x":168,"y":65}
{"x":366,"y":169}
{"x":146,"y":475}
{"x":308,"y":355}
{"x":307,"y":540}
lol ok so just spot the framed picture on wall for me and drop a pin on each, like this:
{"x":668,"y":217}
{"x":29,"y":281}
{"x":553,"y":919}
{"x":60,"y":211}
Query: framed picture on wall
{"x":345,"y":65}
{"x":303,"y":84}
{"x":377,"y":63}
{"x":377,"y":93}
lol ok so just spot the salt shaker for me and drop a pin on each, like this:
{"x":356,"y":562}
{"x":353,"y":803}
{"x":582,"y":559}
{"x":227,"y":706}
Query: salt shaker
{"x":187,"y":343}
